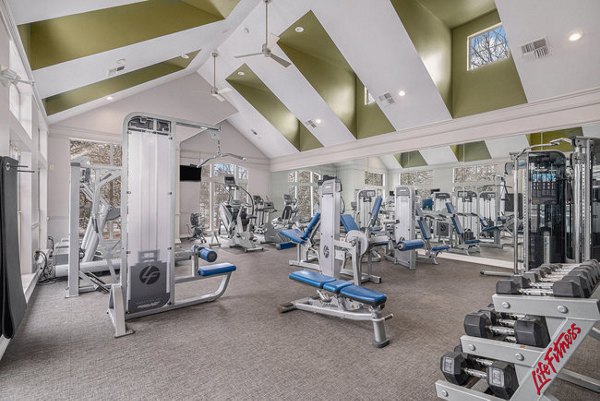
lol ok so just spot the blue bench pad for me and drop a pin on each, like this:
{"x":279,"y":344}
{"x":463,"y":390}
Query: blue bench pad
{"x":311,"y":278}
{"x":440,"y":248}
{"x":411,"y":244}
{"x":294,"y":235}
{"x":213,"y":270}
{"x":285,"y":245}
{"x":364,"y":295}
{"x":472,"y":242}
{"x":349,"y":223}
{"x":336,"y":286}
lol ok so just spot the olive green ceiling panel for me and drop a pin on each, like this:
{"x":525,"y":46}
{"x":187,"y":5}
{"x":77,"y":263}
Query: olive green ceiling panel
{"x":433,"y":42}
{"x":545,"y":137}
{"x":319,"y":60}
{"x":411,"y":159}
{"x":472,"y":151}
{"x":58,"y":40}
{"x":250,"y":86}
{"x":67,"y":100}
{"x":487,"y":88}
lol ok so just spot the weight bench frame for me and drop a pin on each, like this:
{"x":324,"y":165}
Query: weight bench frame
{"x":338,"y":305}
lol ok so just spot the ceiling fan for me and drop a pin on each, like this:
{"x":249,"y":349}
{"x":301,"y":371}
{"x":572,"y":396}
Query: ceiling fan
{"x":214,"y":91}
{"x":219,"y":155}
{"x":270,"y":41}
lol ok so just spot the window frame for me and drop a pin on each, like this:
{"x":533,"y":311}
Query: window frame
{"x":481,"y":32}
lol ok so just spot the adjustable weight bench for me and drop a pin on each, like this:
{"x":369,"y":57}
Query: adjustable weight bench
{"x":342,"y":299}
{"x":304,"y":243}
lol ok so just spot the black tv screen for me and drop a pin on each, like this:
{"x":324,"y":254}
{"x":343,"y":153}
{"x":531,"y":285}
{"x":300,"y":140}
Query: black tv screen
{"x":190,"y":173}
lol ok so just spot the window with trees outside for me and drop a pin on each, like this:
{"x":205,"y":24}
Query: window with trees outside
{"x":487,"y":47}
{"x":476,"y":178}
{"x":103,"y":154}
{"x":303,"y":185}
{"x":422,"y":181}
{"x":213,"y":192}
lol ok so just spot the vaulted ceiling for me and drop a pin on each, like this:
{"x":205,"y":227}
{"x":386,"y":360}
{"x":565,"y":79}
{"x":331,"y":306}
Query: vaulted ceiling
{"x":409,"y":54}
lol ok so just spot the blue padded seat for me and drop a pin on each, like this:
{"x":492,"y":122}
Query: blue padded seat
{"x":284,"y":245}
{"x":216,"y":269}
{"x":472,"y":241}
{"x":410,"y":244}
{"x":293,"y":235}
{"x":311,"y":278}
{"x":364,"y":295}
{"x":348,"y":222}
{"x":298,"y":236}
{"x":336,"y":286}
{"x":440,"y":248}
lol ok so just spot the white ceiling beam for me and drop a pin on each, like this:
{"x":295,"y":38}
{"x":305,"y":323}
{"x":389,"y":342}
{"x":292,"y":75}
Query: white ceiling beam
{"x":546,"y":115}
{"x":380,"y":51}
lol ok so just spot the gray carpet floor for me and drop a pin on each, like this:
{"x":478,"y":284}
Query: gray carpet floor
{"x":241,"y":348}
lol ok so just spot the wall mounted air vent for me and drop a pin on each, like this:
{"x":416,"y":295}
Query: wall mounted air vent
{"x":114,"y":71}
{"x":538,"y":48}
{"x":386,"y":98}
{"x":311,"y":124}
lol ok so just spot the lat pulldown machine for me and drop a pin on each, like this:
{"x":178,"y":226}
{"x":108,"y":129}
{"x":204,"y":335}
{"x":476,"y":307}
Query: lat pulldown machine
{"x":148,"y":281}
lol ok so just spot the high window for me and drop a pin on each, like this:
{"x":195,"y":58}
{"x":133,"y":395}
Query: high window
{"x":422,"y":181}
{"x":476,"y":178}
{"x":487,"y":47}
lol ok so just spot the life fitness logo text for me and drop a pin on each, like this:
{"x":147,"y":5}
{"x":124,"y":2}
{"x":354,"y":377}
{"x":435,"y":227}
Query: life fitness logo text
{"x":149,"y":275}
{"x":545,"y":370}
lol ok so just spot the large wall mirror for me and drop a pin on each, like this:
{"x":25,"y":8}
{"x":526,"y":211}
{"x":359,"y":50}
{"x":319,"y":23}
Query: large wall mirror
{"x":463,"y":189}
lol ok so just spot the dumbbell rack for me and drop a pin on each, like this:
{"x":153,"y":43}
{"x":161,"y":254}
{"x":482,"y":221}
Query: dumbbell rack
{"x":569,"y":321}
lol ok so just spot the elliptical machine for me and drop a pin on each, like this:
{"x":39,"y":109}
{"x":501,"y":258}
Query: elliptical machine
{"x":237,"y":218}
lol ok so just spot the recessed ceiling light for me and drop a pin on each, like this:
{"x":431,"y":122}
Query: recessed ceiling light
{"x":121,"y":61}
{"x":109,"y":98}
{"x":241,"y":73}
{"x":402,"y":93}
{"x":185,"y":56}
{"x":299,"y":29}
{"x":318,"y":121}
{"x":575,"y":36}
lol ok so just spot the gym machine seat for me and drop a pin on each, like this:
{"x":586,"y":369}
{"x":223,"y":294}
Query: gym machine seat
{"x":353,"y":292}
{"x":311,"y":278}
{"x":298,"y":236}
{"x":336,"y":286}
{"x":349,"y":223}
{"x":215,"y":270}
{"x":364,"y":295}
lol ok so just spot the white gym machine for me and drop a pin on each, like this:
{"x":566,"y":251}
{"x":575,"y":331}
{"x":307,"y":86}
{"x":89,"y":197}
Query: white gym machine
{"x":148,"y":198}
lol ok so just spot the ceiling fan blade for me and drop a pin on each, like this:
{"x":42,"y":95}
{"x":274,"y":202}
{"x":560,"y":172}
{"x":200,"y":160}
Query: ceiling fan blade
{"x":281,"y":61}
{"x":249,"y":55}
{"x":273,"y":39}
{"x":225,"y":90}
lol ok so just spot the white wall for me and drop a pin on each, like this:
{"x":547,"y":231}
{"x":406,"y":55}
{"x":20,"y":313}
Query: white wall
{"x":185,"y":98}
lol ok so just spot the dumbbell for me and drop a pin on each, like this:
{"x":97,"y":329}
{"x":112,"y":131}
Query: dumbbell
{"x":592,"y":266}
{"x":528,"y":330}
{"x":592,"y":270}
{"x":538,"y":281}
{"x":501,"y":377}
{"x":570,"y":287}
